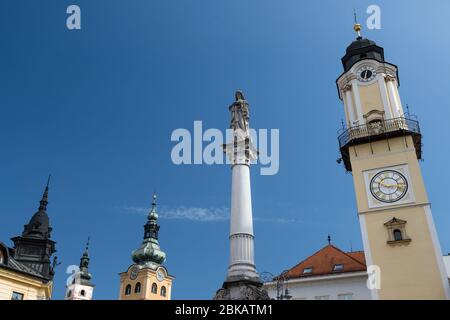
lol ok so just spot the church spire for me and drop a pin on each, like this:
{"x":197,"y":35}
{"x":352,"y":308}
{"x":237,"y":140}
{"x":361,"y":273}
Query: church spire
{"x":44,"y":201}
{"x":34,"y":247}
{"x":85,"y":276}
{"x":39,"y":224}
{"x":150,"y":253}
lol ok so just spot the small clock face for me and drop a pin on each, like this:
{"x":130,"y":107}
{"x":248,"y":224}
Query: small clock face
{"x":388,"y":186}
{"x":134,"y":273}
{"x":160,"y":275}
{"x":366,"y":73}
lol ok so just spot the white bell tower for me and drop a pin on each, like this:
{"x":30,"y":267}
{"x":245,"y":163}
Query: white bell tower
{"x":81,"y":287}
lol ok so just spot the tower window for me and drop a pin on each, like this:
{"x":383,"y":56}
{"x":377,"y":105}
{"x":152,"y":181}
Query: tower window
{"x":83,"y":293}
{"x":397,"y":232}
{"x":69,"y":293}
{"x":163,"y":291}
{"x":397,"y":235}
{"x":137,"y":288}
{"x":128,"y":290}
{"x":154,"y":288}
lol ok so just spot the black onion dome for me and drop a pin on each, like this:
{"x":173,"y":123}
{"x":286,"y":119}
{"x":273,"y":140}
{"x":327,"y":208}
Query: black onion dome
{"x":39,"y":225}
{"x":362,"y":49}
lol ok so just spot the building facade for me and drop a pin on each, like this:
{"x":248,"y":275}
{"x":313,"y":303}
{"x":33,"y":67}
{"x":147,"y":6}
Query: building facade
{"x":381,"y":146}
{"x":26,"y":270}
{"x":147,"y":278}
{"x":328,"y":274}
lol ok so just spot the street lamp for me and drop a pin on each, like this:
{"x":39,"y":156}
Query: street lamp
{"x":281,"y":282}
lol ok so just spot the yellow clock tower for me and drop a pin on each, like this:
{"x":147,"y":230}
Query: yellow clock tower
{"x":147,"y":278}
{"x":381,"y":145}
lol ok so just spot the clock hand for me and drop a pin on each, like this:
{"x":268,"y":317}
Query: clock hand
{"x":392,"y":185}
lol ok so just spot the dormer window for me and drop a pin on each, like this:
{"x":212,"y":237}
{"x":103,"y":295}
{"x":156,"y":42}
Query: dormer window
{"x":338,"y":267}
{"x":307,"y":270}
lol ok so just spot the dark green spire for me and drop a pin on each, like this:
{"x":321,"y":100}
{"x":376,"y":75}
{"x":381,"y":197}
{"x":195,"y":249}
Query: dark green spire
{"x":85,"y":276}
{"x":149,"y":253}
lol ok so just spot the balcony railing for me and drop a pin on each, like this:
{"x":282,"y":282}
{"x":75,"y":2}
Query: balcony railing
{"x":378,"y":130}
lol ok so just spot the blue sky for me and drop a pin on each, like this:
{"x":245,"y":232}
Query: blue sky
{"x":96,"y":108}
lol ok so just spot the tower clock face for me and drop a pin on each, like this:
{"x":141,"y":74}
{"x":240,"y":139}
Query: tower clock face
{"x":134,"y":273}
{"x":160,"y":275}
{"x":366,"y":73}
{"x":388,"y":186}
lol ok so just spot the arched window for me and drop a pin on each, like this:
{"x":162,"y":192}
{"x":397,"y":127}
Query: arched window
{"x":128,"y":290}
{"x":163,"y":291}
{"x":83,"y":293}
{"x":137,"y":288}
{"x":398,"y":235}
{"x":69,"y":293}
{"x":154,"y":288}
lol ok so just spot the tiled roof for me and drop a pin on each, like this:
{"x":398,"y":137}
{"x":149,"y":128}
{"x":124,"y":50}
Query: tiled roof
{"x":327,"y":261}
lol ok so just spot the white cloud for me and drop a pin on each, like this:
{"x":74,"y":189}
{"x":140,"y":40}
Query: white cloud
{"x":201,"y":214}
{"x":187,"y":213}
{"x":277,"y":220}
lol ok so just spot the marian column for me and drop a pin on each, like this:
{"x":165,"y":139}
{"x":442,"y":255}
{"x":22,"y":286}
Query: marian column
{"x":242,"y":280}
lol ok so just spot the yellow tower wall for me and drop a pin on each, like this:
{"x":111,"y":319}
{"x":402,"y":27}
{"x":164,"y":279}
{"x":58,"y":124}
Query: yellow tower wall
{"x":411,"y":270}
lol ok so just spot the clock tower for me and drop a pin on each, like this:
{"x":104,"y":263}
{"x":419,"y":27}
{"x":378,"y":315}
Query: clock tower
{"x":147,"y":278}
{"x":381,"y":145}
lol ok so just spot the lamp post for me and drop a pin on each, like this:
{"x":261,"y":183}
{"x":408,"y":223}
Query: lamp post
{"x":281,"y":282}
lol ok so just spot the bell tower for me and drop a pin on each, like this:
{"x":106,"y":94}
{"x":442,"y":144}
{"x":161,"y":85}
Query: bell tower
{"x":147,"y":278}
{"x":381,"y":145}
{"x":81,"y":287}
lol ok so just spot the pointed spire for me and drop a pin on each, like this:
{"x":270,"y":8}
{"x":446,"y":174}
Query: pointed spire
{"x":357,"y":26}
{"x":86,"y":250}
{"x":153,"y":215}
{"x":44,"y":201}
{"x":150,"y":253}
{"x":85,"y":276}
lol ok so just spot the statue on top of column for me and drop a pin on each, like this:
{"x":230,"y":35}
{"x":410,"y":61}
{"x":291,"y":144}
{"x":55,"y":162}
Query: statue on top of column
{"x":239,"y":113}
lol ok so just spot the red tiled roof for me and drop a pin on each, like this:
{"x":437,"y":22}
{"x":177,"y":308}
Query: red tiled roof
{"x":323,"y":262}
{"x":358,"y":255}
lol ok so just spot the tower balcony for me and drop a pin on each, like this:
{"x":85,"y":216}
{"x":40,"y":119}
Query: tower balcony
{"x":380,"y":129}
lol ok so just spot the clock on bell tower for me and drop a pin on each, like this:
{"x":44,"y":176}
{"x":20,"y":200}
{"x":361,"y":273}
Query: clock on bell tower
{"x":381,"y":146}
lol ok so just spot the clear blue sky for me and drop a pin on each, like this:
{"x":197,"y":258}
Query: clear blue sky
{"x":96,"y":108}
